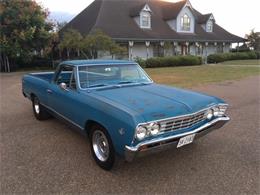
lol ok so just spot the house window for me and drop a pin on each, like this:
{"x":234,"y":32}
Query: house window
{"x":145,"y":20}
{"x":210,"y":26}
{"x":185,"y":23}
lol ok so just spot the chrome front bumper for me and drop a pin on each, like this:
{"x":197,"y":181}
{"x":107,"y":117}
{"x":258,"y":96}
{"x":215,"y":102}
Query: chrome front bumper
{"x":163,"y":143}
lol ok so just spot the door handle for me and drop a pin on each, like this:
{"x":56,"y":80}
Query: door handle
{"x":49,"y":91}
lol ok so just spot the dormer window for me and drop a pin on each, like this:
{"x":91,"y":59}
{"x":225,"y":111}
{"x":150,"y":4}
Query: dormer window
{"x":145,"y":19}
{"x":185,"y":23}
{"x":209,"y":27}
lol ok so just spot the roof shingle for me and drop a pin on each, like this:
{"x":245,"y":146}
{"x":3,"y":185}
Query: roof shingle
{"x":114,"y":18}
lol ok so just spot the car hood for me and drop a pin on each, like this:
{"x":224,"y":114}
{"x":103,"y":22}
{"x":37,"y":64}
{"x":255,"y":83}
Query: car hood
{"x":154,"y":102}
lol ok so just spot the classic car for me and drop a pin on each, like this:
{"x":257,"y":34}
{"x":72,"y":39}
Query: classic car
{"x":122,"y":111}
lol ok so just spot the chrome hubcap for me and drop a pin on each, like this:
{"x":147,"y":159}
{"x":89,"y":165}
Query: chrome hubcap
{"x":100,"y":145}
{"x":36,"y":106}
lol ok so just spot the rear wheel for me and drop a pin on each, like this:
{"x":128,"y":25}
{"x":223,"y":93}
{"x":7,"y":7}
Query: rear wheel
{"x":101,"y":147}
{"x":39,"y":111}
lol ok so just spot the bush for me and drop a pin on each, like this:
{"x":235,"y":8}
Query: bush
{"x":173,"y":61}
{"x":140,"y":61}
{"x":36,"y":61}
{"x":221,"y":57}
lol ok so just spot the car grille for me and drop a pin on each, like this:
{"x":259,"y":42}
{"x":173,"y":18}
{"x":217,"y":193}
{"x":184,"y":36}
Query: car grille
{"x":182,"y":122}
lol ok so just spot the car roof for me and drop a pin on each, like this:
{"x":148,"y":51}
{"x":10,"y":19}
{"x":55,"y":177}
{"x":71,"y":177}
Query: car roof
{"x":97,"y":62}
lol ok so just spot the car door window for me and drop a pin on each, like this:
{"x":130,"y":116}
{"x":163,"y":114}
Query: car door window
{"x":66,"y":75}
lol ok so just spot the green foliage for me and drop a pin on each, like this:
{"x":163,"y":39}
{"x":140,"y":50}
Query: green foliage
{"x":23,"y":29}
{"x":90,"y":45}
{"x":221,"y":57}
{"x":173,"y":61}
{"x":140,"y":61}
{"x":99,"y":41}
{"x":71,"y":40}
{"x":254,"y":40}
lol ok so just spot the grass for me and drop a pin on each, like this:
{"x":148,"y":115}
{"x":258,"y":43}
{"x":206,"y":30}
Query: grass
{"x":190,"y":76}
{"x":195,"y":75}
{"x":242,"y":62}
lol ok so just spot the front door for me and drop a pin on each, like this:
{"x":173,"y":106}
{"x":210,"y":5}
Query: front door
{"x":63,"y":99}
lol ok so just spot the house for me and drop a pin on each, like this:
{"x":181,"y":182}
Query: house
{"x":149,"y":28}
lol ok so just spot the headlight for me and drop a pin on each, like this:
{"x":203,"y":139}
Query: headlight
{"x":222,"y":109}
{"x":154,"y":128}
{"x":216,"y":111}
{"x":141,"y":132}
{"x":209,"y":114}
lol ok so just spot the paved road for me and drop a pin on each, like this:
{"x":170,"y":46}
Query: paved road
{"x":49,"y":157}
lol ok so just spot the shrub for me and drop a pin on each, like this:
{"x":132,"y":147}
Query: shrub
{"x":221,"y":57}
{"x":140,"y":61}
{"x":173,"y":61}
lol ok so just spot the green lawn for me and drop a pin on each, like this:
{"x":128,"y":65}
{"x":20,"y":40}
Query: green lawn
{"x":242,"y":62}
{"x":195,"y":75}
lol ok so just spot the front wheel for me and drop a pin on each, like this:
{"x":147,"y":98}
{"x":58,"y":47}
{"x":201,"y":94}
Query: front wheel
{"x":39,"y":111}
{"x":101,"y":147}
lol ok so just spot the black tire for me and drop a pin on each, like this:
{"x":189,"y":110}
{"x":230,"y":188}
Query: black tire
{"x":107,"y":161}
{"x":39,"y":111}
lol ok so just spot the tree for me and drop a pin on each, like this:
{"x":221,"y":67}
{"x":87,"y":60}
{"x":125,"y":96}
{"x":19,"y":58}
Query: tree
{"x":254,"y":40}
{"x":71,"y":40}
{"x":98,"y":41}
{"x":24,"y":31}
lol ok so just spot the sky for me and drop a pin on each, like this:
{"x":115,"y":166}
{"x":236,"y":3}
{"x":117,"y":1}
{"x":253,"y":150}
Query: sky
{"x":236,"y":16}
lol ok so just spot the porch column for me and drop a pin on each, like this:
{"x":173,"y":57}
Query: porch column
{"x":188,"y":48}
{"x":206,"y":50}
{"x":223,"y":47}
{"x":216,"y":47}
{"x":197,"y":45}
{"x":147,"y":44}
{"x":162,"y":45}
{"x":130,"y":44}
{"x":237,"y":46}
{"x":175,"y":44}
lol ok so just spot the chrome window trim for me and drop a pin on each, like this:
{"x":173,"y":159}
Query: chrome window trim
{"x":103,"y":87}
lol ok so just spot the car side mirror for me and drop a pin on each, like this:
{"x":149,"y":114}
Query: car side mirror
{"x":63,"y":86}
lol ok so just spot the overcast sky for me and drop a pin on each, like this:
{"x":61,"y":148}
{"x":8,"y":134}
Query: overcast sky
{"x":236,"y":16}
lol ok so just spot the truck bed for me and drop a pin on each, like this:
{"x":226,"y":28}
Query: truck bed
{"x":43,"y":75}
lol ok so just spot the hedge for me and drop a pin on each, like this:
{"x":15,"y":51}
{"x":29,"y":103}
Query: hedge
{"x":221,"y":57}
{"x":173,"y":61}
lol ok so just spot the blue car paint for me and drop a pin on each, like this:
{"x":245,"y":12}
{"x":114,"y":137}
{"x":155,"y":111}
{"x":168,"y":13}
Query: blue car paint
{"x":118,"y":109}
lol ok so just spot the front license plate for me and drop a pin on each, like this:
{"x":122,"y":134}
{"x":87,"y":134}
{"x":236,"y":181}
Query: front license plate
{"x":186,"y":140}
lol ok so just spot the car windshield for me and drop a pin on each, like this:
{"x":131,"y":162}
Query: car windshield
{"x":109,"y":75}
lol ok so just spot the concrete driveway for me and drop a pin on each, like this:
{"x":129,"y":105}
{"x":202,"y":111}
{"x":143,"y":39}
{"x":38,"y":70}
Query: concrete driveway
{"x":49,"y":157}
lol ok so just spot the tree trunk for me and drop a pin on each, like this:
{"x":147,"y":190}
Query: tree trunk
{"x":68,"y":53}
{"x":78,"y":52}
{"x":4,"y":63}
{"x":7,"y":64}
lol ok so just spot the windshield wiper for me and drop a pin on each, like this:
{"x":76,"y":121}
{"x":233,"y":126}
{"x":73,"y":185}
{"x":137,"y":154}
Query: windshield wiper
{"x":125,"y":82}
{"x":97,"y":85}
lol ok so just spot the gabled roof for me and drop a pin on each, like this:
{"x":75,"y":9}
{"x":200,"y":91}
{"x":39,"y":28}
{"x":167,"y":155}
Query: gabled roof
{"x":171,"y":10}
{"x":114,"y":18}
{"x":202,"y":19}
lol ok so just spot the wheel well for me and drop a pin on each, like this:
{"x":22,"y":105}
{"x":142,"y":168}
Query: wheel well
{"x":32,"y":96}
{"x":89,"y":124}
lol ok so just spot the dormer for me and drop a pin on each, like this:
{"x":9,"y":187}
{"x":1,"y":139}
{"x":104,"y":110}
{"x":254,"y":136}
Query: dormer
{"x":207,"y":22}
{"x":184,"y":21}
{"x":142,"y":16}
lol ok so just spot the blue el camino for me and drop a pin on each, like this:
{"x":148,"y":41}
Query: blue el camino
{"x":120,"y":109}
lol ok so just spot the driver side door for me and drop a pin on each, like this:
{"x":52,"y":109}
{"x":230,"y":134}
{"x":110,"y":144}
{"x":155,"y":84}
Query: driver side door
{"x":63,"y":93}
